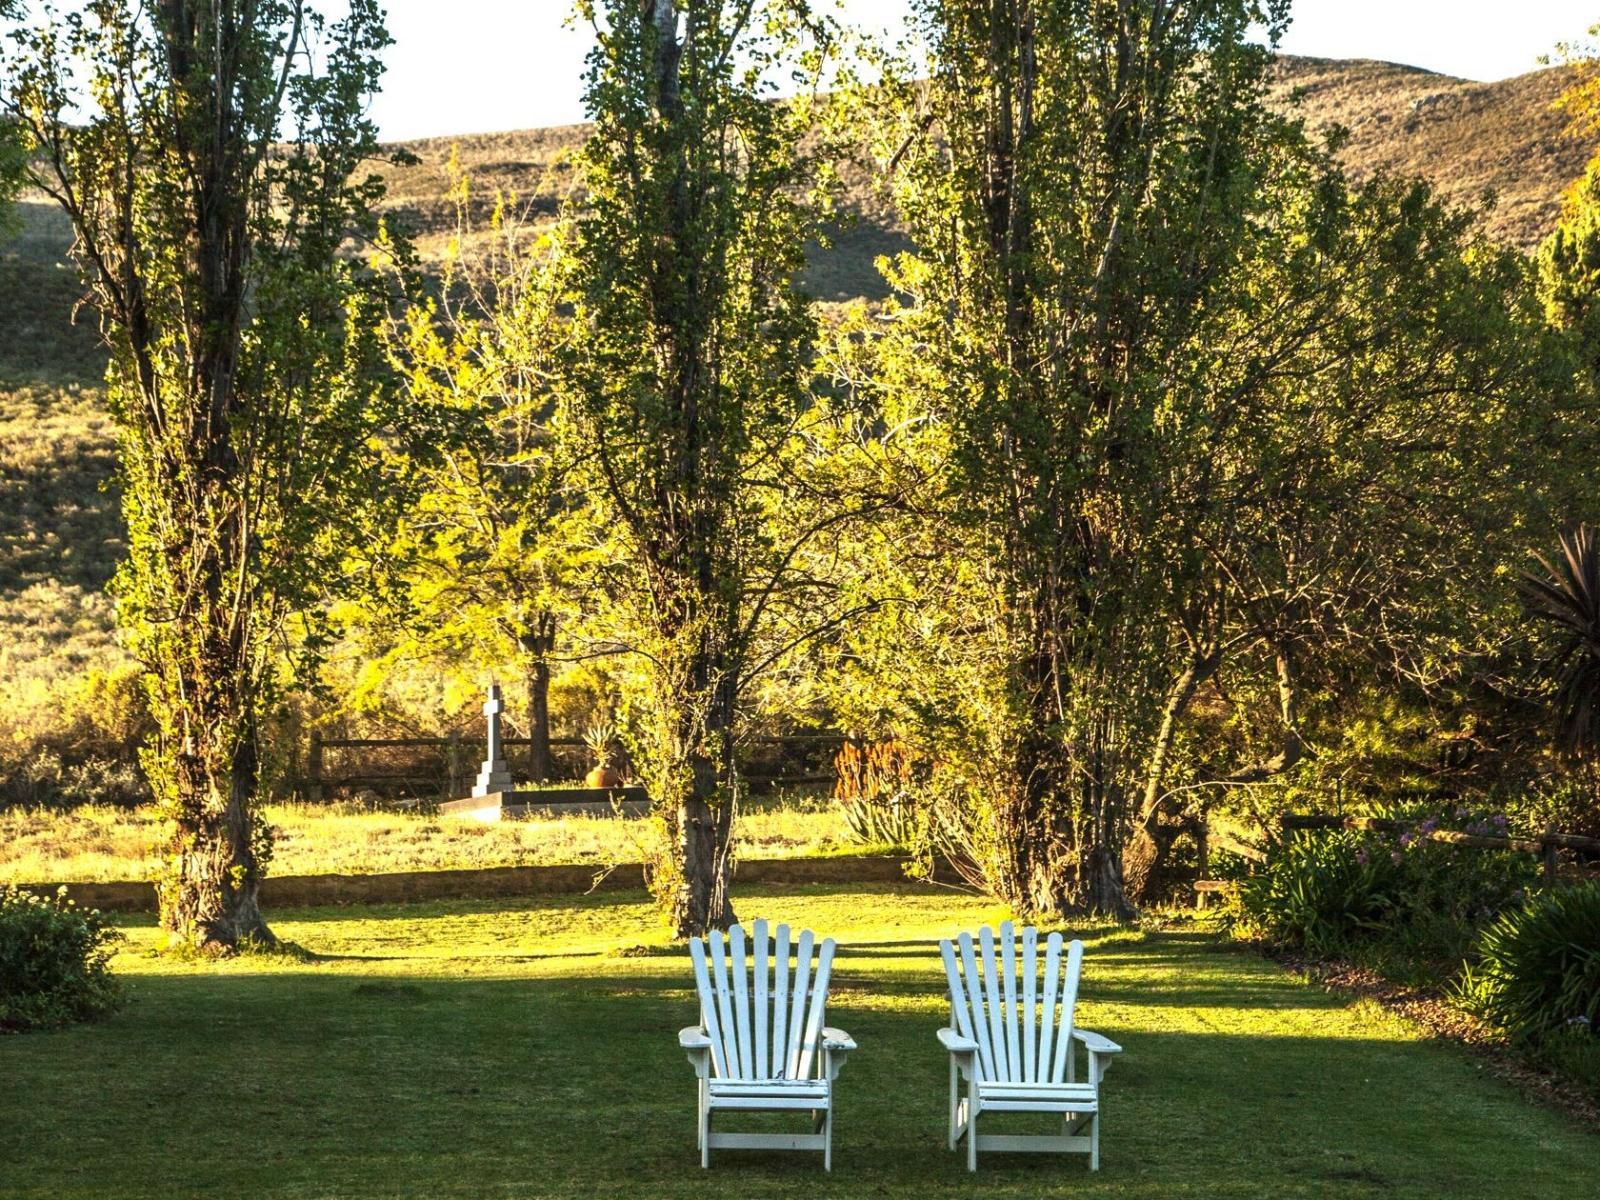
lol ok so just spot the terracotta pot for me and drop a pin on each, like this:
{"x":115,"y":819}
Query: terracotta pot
{"x":603,"y":777}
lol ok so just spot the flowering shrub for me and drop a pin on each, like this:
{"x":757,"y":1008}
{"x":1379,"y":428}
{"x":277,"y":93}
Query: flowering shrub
{"x":53,"y":962}
{"x":879,"y":791}
{"x":1329,"y":893}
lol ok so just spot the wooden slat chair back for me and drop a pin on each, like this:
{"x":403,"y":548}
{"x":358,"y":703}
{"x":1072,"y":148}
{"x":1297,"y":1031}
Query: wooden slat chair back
{"x":1020,"y":1016}
{"x":1011,"y":1037}
{"x":762,"y":1043}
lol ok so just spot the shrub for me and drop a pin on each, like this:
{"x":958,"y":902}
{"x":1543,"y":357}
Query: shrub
{"x":1316,"y":892}
{"x":1421,"y":901}
{"x":53,"y":962}
{"x":1537,"y":973}
{"x":879,"y":790}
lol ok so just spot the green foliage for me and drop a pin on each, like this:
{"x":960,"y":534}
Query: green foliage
{"x":211,"y":165}
{"x":1218,"y":483}
{"x":1403,"y":899}
{"x":690,"y":366}
{"x":1537,"y":969}
{"x":492,"y":556}
{"x":1569,"y":266}
{"x":1567,"y":599}
{"x":1316,"y":893}
{"x":54,"y":962}
{"x":13,"y":146}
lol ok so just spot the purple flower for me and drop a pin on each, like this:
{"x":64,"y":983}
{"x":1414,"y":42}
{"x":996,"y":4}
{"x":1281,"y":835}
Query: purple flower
{"x":1429,"y":825}
{"x":1361,"y":857}
{"x":1405,"y":840}
{"x":1394,"y":857}
{"x":1460,"y":813}
{"x":1500,"y":820}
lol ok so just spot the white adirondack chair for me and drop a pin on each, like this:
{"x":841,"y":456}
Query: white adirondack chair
{"x":761,"y":1045}
{"x":1010,"y":1038}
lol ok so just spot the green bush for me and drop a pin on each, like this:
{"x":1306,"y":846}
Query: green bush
{"x":1537,"y":973}
{"x":1316,"y":892}
{"x":53,"y":962}
{"x":1422,"y":902}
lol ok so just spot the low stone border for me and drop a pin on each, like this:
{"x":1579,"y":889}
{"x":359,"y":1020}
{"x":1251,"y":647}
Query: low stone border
{"x":487,"y":883}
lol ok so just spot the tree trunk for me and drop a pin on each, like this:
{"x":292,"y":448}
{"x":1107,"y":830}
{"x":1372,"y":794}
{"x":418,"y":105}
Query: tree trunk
{"x":209,"y":895}
{"x":1150,"y":842}
{"x":699,"y":783}
{"x":539,"y":642}
{"x":539,"y":721}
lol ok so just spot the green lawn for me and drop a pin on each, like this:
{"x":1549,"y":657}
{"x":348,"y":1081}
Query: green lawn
{"x":476,"y":1050}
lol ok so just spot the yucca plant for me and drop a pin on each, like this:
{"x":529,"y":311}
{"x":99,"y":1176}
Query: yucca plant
{"x":600,"y":736}
{"x":1567,"y":596}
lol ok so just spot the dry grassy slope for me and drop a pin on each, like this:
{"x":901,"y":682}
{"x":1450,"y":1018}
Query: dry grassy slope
{"x":1466,"y":138}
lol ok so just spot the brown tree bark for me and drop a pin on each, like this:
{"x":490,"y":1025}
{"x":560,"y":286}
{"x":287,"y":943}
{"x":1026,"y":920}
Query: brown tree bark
{"x":209,"y":896}
{"x":538,"y":643}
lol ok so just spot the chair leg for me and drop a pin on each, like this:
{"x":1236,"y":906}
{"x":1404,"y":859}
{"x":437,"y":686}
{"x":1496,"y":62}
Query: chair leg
{"x":705,"y":1135}
{"x":827,"y":1138}
{"x":1094,"y":1143}
{"x":972,"y":1122}
{"x":955,"y":1088}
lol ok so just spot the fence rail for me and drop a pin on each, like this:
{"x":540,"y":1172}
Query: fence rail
{"x":1547,"y":846}
{"x":446,"y":765}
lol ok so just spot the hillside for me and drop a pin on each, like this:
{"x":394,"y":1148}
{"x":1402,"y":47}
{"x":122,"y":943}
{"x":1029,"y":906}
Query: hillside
{"x":1467,"y":138}
{"x":58,"y":527}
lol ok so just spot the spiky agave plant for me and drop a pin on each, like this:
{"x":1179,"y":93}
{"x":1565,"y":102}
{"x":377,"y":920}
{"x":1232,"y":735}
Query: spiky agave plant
{"x":1567,"y":596}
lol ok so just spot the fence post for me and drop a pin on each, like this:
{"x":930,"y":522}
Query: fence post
{"x":452,"y":758}
{"x":314,"y":770}
{"x":1552,"y":863}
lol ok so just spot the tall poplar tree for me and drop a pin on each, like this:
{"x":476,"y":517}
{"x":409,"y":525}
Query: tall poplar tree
{"x":209,"y":154}
{"x":1077,"y":178}
{"x":690,"y":345}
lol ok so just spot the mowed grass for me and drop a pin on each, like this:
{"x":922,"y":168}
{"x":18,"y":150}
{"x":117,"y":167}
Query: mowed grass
{"x":529,"y":1050}
{"x":102,"y":842}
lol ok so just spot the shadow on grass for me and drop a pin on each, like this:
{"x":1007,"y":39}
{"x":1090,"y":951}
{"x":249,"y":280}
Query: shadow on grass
{"x":315,"y":1083}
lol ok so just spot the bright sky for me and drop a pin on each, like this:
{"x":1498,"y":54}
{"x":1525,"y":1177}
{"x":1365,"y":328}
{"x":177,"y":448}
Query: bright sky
{"x":474,"y":66}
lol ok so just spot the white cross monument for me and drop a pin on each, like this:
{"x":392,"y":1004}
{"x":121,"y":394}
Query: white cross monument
{"x":495,"y":776}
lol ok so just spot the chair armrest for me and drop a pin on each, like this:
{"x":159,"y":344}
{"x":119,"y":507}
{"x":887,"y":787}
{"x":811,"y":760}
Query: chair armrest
{"x":1095,"y":1043}
{"x":836,"y":1047}
{"x":837,"y":1039}
{"x":692,"y":1040}
{"x":1101,"y":1049}
{"x":955,"y":1043}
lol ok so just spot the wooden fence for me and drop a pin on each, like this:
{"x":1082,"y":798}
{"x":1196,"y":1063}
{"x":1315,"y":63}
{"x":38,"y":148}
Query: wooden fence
{"x":446,"y":766}
{"x":1547,"y":846}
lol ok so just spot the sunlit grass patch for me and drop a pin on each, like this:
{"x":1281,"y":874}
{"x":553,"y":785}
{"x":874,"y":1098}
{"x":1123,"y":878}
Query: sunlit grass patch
{"x":96,"y":842}
{"x":527,"y":1049}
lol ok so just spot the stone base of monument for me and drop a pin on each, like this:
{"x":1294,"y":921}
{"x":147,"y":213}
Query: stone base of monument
{"x":550,"y":802}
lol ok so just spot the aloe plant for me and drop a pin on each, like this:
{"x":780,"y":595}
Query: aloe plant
{"x":600,"y":736}
{"x":1567,"y":596}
